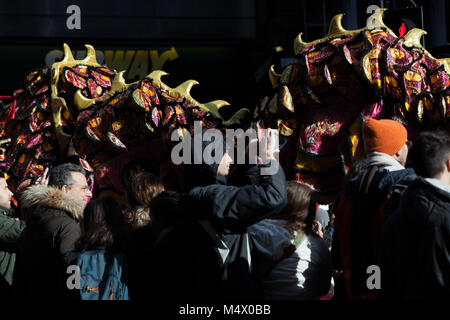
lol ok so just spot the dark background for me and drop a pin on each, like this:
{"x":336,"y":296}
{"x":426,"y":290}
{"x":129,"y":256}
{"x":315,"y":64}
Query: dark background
{"x":227,"y":46}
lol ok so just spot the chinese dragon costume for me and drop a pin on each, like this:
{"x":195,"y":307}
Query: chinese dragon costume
{"x":79,"y":110}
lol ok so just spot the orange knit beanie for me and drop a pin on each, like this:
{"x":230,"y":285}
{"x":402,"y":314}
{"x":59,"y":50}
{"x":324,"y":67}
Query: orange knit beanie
{"x":386,"y":136}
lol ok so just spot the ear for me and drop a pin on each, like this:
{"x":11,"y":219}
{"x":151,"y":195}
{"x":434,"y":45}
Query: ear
{"x":447,"y":164}
{"x":396,"y":155}
{"x":65,"y":188}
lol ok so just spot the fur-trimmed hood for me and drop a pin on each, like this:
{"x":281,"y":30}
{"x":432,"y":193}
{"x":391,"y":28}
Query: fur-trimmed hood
{"x":52,"y":197}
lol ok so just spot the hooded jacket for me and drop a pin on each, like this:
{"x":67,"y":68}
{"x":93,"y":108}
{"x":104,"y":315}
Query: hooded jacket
{"x":224,"y":208}
{"x":415,"y":245}
{"x":206,"y":255}
{"x":52,"y":229}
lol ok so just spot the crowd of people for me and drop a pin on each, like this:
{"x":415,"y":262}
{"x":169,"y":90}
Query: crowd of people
{"x":236,"y":234}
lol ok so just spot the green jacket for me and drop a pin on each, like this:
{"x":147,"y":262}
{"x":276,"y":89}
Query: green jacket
{"x":10,"y":231}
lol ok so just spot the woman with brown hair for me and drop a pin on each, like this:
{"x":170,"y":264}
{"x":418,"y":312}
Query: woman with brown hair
{"x":291,"y":259}
{"x":104,"y":227}
{"x":102,"y":250}
{"x":142,"y":188}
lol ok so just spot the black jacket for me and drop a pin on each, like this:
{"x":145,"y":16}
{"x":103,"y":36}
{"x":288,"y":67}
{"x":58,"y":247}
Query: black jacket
{"x":184,"y":263}
{"x":51,"y":232}
{"x":230,"y":209}
{"x":415,"y":245}
{"x":359,"y":216}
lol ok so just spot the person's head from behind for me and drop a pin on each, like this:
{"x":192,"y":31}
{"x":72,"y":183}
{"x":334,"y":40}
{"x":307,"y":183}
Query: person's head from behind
{"x":5,"y":193}
{"x":104,"y":225}
{"x":142,"y":188}
{"x":386,"y":136}
{"x":70,"y":178}
{"x":430,"y":155}
{"x":165,"y":210}
{"x":299,"y":212}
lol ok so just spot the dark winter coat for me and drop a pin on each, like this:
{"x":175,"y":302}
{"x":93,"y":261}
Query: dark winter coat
{"x":358,"y":220}
{"x":51,"y":232}
{"x":415,"y":243}
{"x":10,"y":231}
{"x":184,"y":263}
{"x":230,"y":209}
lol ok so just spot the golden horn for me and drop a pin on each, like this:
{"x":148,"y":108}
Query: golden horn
{"x":91,"y":57}
{"x":183,"y":90}
{"x":286,"y":75}
{"x":213,"y":107}
{"x":284,"y":130}
{"x":299,"y":44}
{"x":376,"y":21}
{"x":57,"y":103}
{"x":217,"y":103}
{"x":412,"y":38}
{"x":156,"y":77}
{"x":336,"y":25}
{"x":446,"y":63}
{"x":68,"y":57}
{"x":118,"y":83}
{"x":420,"y":111}
{"x":286,"y":99}
{"x":274,"y":77}
{"x":237,"y":117}
{"x":335,"y":30}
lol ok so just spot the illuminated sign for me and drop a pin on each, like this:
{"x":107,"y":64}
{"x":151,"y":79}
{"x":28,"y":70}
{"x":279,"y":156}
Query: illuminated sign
{"x":136,"y":63}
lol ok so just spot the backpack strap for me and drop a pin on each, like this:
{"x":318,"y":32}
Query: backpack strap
{"x":287,"y":252}
{"x":222,"y":248}
{"x":366,"y":179}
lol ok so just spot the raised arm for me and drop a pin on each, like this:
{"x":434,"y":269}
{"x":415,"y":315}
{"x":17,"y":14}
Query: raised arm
{"x":238,"y":207}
